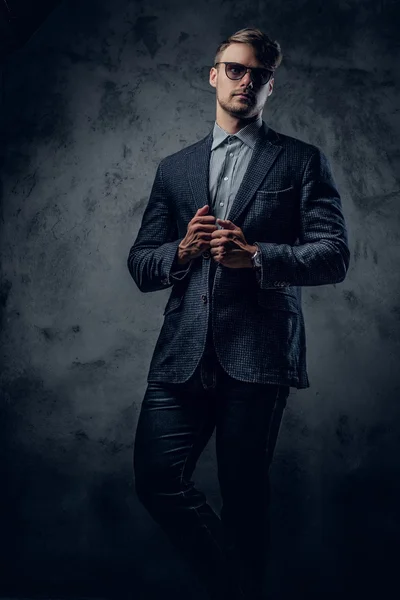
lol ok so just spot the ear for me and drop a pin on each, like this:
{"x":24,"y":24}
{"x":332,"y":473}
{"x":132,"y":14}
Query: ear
{"x":271,"y":86}
{"x":213,"y":77}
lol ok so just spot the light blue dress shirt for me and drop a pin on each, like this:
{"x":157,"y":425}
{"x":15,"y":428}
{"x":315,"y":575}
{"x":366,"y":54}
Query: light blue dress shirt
{"x":230,"y":157}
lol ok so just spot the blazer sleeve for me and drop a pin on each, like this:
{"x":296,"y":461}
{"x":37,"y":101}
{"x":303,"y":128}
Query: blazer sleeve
{"x":322,"y":255}
{"x":151,"y":259}
{"x":177,"y":273}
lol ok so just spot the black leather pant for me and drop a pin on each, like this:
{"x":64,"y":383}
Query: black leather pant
{"x":228,"y":552}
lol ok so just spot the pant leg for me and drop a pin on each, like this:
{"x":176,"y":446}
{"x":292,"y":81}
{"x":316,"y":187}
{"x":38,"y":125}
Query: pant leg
{"x":247,"y":425}
{"x":175,"y":423}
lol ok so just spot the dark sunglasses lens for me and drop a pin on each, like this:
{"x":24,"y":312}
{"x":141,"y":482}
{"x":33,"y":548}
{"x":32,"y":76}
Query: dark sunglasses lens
{"x":262,"y":76}
{"x":265,"y":76}
{"x":235,"y":71}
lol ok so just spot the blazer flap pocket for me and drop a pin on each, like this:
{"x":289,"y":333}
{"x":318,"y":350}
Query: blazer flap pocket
{"x":277,"y":300}
{"x":173,"y":303}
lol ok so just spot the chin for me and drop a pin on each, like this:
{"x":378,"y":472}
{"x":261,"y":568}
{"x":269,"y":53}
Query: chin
{"x":242,"y":111}
{"x":238,"y":109}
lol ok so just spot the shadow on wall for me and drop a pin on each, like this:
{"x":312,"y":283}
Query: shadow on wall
{"x":63,"y":521}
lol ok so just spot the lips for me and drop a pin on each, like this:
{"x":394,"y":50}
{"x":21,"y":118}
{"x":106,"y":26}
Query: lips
{"x":244,"y":96}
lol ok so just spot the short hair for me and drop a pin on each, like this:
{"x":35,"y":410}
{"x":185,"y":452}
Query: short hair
{"x":269,"y":53}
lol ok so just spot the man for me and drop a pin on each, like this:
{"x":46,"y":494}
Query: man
{"x":236,"y":223}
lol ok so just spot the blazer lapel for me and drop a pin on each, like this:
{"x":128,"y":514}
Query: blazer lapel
{"x":198,"y":162}
{"x":265,"y":153}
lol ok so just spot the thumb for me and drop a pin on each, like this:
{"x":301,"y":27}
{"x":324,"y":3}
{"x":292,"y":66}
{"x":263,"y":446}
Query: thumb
{"x":203,"y":210}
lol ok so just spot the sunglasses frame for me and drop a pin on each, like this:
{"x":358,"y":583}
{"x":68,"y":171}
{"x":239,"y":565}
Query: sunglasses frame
{"x":255,"y":70}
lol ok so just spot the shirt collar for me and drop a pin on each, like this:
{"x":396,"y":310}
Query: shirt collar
{"x":248,"y":134}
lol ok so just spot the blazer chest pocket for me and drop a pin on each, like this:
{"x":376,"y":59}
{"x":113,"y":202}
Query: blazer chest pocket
{"x":276,"y":204}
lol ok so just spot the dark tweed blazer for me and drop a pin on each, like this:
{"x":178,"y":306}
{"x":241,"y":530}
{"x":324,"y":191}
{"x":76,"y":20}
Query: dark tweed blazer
{"x":289,"y":205}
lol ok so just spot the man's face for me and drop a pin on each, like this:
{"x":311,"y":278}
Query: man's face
{"x":228,"y":90}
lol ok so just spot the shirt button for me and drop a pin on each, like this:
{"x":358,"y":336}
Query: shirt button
{"x":225,"y":179}
{"x":221,"y":203}
{"x":231,"y":154}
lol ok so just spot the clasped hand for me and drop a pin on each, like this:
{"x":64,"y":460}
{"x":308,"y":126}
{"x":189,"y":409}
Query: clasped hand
{"x":228,"y":245}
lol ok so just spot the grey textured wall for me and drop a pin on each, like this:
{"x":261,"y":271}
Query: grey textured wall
{"x":89,"y":107}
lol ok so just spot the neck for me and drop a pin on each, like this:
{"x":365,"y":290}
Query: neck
{"x":232,"y":124}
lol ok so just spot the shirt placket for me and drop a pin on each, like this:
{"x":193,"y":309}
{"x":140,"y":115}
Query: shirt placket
{"x":226,"y":183}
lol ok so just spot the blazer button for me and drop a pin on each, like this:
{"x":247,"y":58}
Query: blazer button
{"x":206,"y":254}
{"x":204,"y":298}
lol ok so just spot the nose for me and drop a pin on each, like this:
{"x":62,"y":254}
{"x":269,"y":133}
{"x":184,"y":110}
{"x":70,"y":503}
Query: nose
{"x":246,"y":79}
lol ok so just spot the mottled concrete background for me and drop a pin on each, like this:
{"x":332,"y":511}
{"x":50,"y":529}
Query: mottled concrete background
{"x":89,"y":107}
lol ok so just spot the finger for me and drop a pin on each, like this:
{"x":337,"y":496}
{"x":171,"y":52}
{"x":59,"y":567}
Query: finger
{"x":218,"y":233}
{"x":208,"y":226}
{"x":223,"y":237}
{"x":203,"y":220}
{"x":203,"y":210}
{"x":217,"y":241}
{"x":228,"y":233}
{"x":226,"y":224}
{"x":204,"y":224}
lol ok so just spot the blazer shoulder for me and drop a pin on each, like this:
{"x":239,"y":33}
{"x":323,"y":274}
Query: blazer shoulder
{"x":180,"y":155}
{"x":291,"y":143}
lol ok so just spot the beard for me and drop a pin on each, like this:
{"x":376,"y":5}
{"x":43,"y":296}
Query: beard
{"x":239,"y":107}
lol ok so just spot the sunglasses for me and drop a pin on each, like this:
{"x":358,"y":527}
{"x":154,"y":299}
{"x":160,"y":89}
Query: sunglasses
{"x":235,"y":71}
